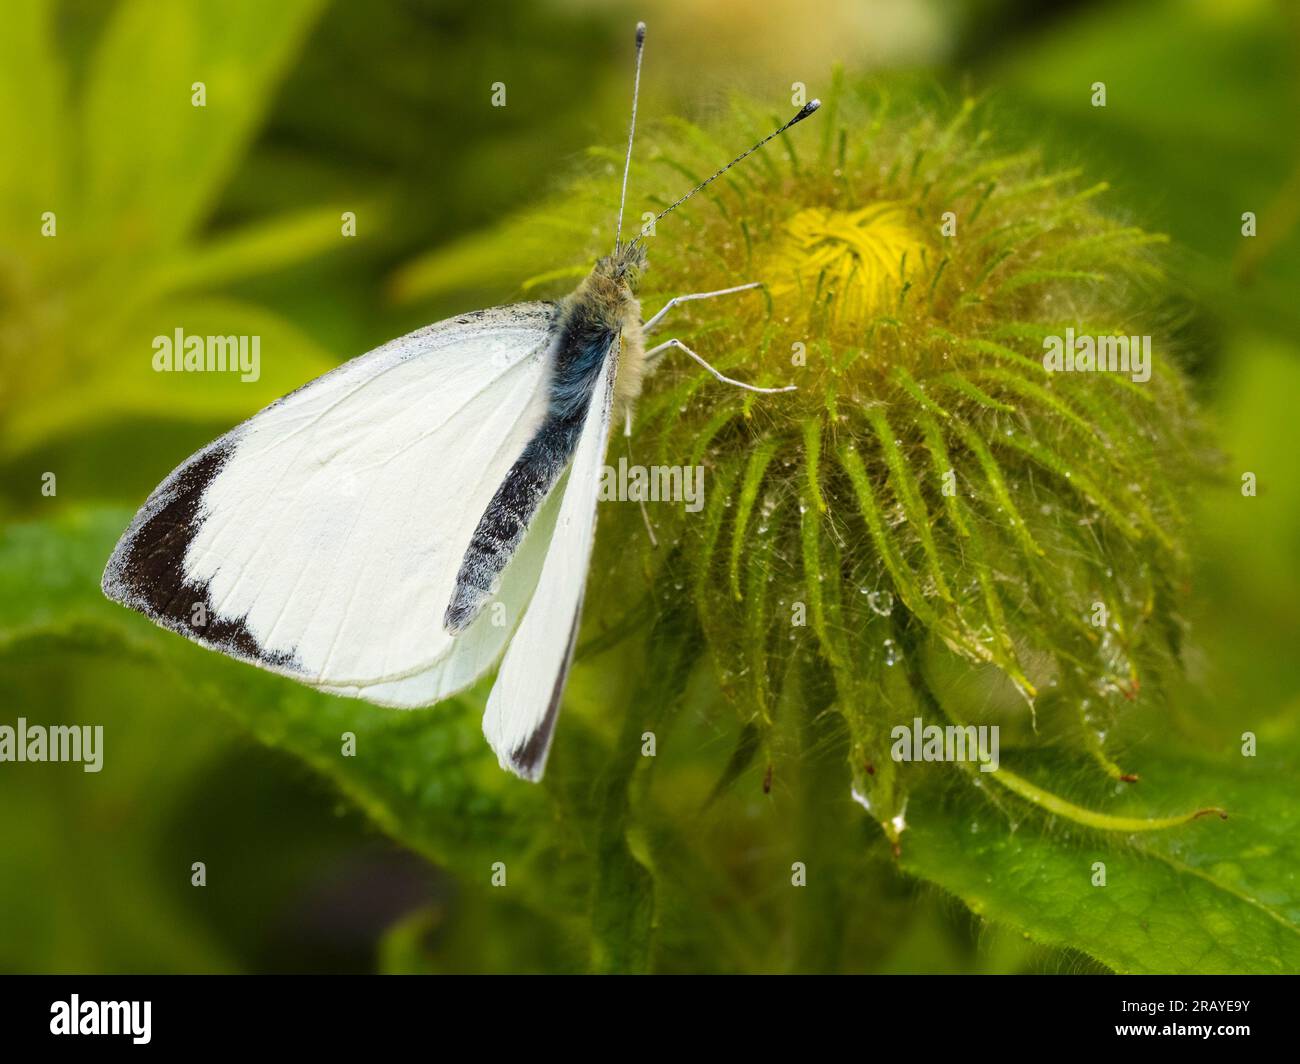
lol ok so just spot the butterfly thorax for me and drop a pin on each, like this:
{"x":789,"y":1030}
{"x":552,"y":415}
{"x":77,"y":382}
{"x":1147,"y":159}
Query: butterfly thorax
{"x":603,"y":316}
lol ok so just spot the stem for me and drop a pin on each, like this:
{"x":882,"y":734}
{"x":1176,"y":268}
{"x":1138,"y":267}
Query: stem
{"x":1101,"y":821}
{"x":1055,"y":804}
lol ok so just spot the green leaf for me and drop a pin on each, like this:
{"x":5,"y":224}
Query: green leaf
{"x":263,"y":247}
{"x":82,"y":308}
{"x":526,"y":250}
{"x":83,"y":845}
{"x":83,"y":884}
{"x":125,"y":383}
{"x":1210,"y":896}
{"x":31,"y":120}
{"x":154,"y":161}
{"x":1185,"y":83}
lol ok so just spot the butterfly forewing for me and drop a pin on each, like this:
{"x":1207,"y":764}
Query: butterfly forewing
{"x":321,"y":538}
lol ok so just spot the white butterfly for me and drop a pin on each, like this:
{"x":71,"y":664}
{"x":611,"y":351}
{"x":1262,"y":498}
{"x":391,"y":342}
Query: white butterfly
{"x":390,"y":529}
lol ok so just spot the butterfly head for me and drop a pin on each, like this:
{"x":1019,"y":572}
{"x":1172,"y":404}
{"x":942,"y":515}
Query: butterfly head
{"x":623,"y":267}
{"x":609,"y":292}
{"x":607,"y":309}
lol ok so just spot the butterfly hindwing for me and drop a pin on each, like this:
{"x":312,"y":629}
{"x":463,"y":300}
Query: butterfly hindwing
{"x":525,"y":701}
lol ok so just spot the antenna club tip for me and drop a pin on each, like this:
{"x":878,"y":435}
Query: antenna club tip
{"x":805,"y":111}
{"x":640,"y":33}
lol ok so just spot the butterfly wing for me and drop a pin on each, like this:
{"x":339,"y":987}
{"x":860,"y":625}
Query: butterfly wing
{"x":321,"y":538}
{"x":525,"y":700}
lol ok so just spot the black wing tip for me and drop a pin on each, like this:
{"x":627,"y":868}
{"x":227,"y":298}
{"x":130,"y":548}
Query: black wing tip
{"x":528,"y":770}
{"x":114,"y":583}
{"x":170,"y":605}
{"x":528,"y":759}
{"x":109,"y":585}
{"x":120,"y":594}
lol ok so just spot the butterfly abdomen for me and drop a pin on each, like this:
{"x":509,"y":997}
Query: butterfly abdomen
{"x":508,"y":515}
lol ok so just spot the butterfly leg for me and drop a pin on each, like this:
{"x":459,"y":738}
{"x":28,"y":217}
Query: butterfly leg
{"x":697,"y":295}
{"x":657,"y":352}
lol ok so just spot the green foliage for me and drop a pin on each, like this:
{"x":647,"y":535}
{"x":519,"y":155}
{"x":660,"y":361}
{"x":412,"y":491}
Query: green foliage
{"x":1209,"y":897}
{"x":610,"y":861}
{"x":129,"y":196}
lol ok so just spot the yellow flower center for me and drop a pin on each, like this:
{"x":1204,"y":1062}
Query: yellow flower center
{"x":853,"y":263}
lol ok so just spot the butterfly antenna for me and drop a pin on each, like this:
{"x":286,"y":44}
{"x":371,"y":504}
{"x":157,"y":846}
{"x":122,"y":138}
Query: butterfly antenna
{"x":804,"y":112}
{"x":631,"y":132}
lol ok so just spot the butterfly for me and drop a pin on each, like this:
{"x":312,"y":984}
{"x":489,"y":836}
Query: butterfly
{"x":395,"y":528}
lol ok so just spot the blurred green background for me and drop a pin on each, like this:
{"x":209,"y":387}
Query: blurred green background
{"x":172,"y":215}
